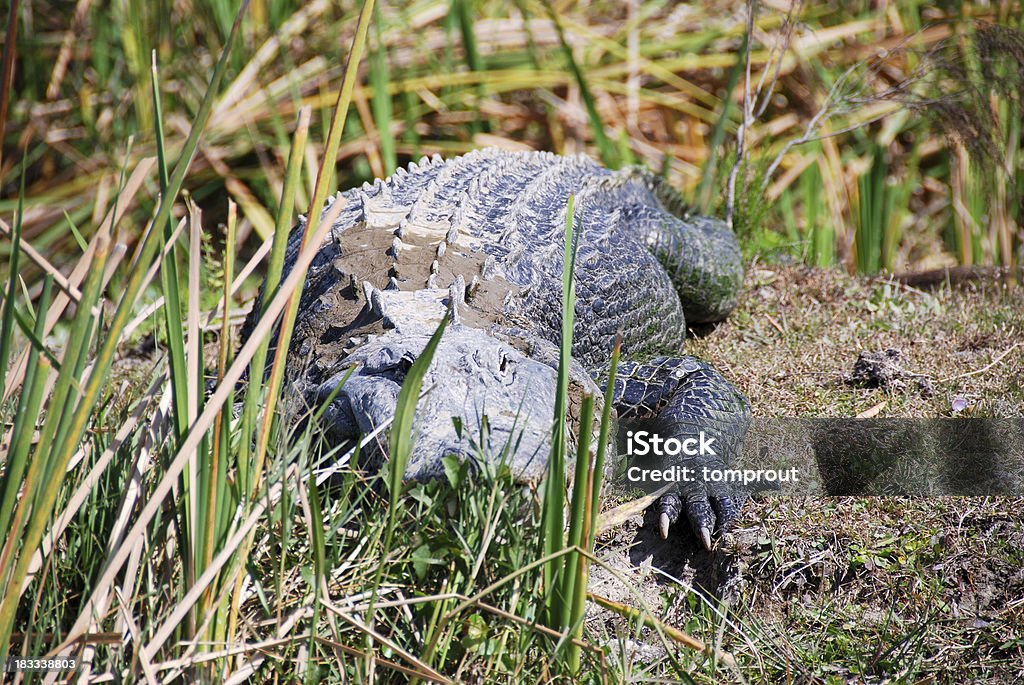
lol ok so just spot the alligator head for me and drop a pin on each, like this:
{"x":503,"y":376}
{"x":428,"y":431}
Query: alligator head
{"x":480,"y":398}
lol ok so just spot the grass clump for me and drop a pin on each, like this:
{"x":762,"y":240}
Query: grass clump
{"x":816,"y":92}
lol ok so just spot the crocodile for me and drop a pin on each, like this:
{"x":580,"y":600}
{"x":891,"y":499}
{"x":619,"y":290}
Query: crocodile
{"x":481,"y":238}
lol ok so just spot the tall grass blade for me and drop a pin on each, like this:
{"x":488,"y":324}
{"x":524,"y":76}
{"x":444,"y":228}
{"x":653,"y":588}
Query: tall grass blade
{"x":217,"y":507}
{"x":324,"y":182}
{"x":194,"y":480}
{"x":822,"y":238}
{"x":379,"y":84}
{"x":400,"y":440}
{"x":275,"y":268}
{"x":872,"y":214}
{"x":553,"y":508}
{"x":7,"y":317}
{"x":602,"y":442}
{"x":320,"y":569}
{"x":577,"y":508}
{"x":608,"y":150}
{"x":169,"y":284}
{"x":6,"y":70}
{"x":27,"y":413}
{"x":705,"y":195}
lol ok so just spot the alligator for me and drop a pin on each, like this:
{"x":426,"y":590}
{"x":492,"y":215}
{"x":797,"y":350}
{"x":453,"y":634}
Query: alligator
{"x":480,"y":239}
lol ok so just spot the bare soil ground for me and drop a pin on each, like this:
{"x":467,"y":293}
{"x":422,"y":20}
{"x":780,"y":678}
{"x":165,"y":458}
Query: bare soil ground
{"x":854,"y":589}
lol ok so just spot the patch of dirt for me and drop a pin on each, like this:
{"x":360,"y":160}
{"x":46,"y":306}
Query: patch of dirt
{"x":856,"y":589}
{"x":881,"y":370}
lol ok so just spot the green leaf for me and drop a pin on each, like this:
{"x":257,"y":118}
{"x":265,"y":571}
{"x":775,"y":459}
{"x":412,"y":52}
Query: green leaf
{"x":452,"y":469}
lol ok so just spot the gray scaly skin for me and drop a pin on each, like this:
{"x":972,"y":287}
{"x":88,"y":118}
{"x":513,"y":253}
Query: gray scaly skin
{"x":484,"y":234}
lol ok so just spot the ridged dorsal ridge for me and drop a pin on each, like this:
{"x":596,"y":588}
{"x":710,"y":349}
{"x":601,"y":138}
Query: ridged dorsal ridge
{"x":439,"y":199}
{"x":426,"y":162}
{"x":489,"y":268}
{"x":427,"y":200}
{"x":463,"y":209}
{"x":457,"y":296}
{"x":504,"y":178}
{"x":364,"y":204}
{"x":373,"y":299}
{"x":396,"y":246}
{"x":552,"y":184}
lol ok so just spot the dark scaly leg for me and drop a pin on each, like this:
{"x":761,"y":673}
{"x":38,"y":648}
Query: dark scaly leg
{"x":681,"y":397}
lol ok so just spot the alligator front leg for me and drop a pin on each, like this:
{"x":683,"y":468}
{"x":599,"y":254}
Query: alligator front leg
{"x":686,"y":407}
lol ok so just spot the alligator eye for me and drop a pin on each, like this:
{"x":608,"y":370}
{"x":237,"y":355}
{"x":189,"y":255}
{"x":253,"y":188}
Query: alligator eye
{"x":502,"y":362}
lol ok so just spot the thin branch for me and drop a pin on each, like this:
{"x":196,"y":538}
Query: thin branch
{"x":995,"y":361}
{"x":741,"y":131}
{"x":782,"y":45}
{"x":812,"y":125}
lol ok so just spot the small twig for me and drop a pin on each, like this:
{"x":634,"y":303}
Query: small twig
{"x":851,"y":127}
{"x":133,"y":628}
{"x":781,"y":46}
{"x":984,"y":368}
{"x":424,"y":669}
{"x":741,"y":131}
{"x":812,"y":125}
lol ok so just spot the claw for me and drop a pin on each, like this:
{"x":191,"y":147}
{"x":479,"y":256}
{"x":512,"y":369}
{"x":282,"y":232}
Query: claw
{"x":664,"y":522}
{"x":705,"y":537}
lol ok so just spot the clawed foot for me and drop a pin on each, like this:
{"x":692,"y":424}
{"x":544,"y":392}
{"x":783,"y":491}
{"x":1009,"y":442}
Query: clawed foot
{"x":709,"y":513}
